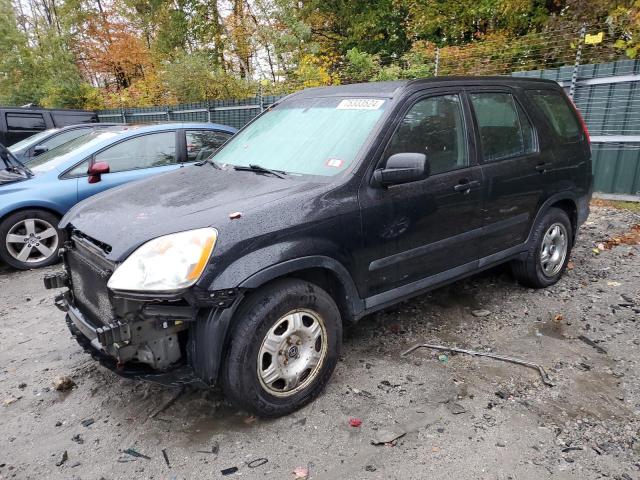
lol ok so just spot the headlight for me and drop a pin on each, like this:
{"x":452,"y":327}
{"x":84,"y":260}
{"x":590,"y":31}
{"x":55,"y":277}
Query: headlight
{"x":167,"y":263}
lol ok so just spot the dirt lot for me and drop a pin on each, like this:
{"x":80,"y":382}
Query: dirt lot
{"x":467,"y":417}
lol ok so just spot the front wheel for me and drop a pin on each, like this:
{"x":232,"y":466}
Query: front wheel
{"x":284,"y":346}
{"x":549,"y":250}
{"x":30,"y":239}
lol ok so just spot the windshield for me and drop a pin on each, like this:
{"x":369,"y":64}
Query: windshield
{"x":27,"y":142}
{"x":311,"y":136}
{"x":57,"y":156}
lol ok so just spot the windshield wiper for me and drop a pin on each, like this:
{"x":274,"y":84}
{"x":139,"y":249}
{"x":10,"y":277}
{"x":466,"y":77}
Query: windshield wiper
{"x":210,"y":161}
{"x":252,"y":167}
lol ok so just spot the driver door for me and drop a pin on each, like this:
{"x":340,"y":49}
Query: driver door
{"x":417,"y":233}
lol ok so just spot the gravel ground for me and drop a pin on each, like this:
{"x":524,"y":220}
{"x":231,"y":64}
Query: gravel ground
{"x":464,"y":417}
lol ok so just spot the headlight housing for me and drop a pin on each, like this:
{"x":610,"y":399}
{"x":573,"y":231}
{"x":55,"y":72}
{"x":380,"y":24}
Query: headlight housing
{"x":167,"y":263}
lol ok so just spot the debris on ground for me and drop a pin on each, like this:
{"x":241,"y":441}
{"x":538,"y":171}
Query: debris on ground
{"x":166,"y":457}
{"x":355,"y":422}
{"x":11,"y":400}
{"x":78,"y":439}
{"x":258,"y":462}
{"x":388,"y":434}
{"x":63,"y":383}
{"x":301,"y":473}
{"x":543,"y":374}
{"x":455,"y":408}
{"x":443,"y":358}
{"x":229,"y":471}
{"x":593,"y":344}
{"x":215,"y":448}
{"x":135,"y":453}
{"x":63,"y":459}
{"x":87,"y":422}
{"x":480,"y":313}
{"x":168,"y":403}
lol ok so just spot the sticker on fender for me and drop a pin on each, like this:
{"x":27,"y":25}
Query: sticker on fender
{"x":360,"y":104}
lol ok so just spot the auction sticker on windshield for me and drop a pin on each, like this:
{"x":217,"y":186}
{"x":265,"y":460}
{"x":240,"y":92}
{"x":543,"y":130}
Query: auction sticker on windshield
{"x":360,"y":104}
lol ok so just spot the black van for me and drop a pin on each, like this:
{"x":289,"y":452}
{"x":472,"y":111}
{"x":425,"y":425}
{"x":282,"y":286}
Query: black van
{"x":335,"y":203}
{"x":17,"y":123}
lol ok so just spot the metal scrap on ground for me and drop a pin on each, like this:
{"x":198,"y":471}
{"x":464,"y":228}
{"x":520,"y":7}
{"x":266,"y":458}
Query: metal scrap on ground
{"x":543,"y":374}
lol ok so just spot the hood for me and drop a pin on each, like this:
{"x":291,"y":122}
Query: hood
{"x":10,"y":176}
{"x":192,"y":197}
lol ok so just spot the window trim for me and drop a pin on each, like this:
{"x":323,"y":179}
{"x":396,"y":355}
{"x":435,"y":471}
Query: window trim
{"x":92,"y":157}
{"x":479,"y":152}
{"x":408,"y":105}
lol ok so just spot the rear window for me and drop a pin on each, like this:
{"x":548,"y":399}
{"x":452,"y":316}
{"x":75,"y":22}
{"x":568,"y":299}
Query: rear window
{"x":25,"y":122}
{"x":559,"y":114}
{"x":505,"y":131}
{"x":64,"y":119}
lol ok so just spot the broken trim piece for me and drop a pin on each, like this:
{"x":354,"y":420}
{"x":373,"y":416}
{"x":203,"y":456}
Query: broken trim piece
{"x":543,"y":374}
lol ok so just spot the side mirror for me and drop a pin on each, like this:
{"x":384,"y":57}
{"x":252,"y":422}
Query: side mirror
{"x":39,"y":149}
{"x":403,"y":168}
{"x":96,"y":170}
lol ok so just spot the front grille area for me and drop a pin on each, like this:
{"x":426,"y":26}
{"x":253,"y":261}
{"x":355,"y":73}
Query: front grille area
{"x":89,"y":272}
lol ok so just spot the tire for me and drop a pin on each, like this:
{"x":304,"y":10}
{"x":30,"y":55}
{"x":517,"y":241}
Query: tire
{"x":262,"y":324}
{"x":21,"y":230}
{"x":533,"y":271}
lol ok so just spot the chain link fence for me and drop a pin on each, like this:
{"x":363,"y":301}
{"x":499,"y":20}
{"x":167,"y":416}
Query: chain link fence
{"x":585,"y":62}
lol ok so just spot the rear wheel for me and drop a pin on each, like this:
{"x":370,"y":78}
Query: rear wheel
{"x":283,"y":348}
{"x":30,"y":239}
{"x":549,"y":251}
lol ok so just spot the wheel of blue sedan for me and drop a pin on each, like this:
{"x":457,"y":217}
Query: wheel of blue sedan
{"x":30,"y":239}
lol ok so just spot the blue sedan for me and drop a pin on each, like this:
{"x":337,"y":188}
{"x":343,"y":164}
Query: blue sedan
{"x":32,"y":200}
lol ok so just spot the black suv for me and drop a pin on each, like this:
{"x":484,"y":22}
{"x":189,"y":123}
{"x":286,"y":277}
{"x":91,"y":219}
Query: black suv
{"x":335,"y":203}
{"x":18,"y":123}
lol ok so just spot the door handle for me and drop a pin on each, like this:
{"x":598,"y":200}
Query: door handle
{"x":542,"y":167}
{"x":465,"y":185}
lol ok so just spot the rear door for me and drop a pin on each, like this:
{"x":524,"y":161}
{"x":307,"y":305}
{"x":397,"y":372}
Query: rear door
{"x":515,"y":173}
{"x":130,"y":159}
{"x":569,"y":142}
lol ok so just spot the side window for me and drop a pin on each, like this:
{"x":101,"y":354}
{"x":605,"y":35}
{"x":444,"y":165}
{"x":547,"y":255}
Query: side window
{"x":64,"y":137}
{"x":201,"y":144}
{"x":145,"y":151}
{"x":79,"y":170}
{"x":558,"y":113}
{"x":505,"y":131}
{"x":433,"y":126}
{"x":28,"y":122}
{"x":61,"y":119}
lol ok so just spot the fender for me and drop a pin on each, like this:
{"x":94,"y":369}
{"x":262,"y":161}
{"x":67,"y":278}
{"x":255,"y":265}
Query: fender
{"x":32,"y":204}
{"x":354,"y":302}
{"x":558,"y":197}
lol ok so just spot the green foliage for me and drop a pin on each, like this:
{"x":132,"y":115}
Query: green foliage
{"x":116,"y":53}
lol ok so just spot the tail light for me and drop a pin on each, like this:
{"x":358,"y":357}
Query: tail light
{"x":582,"y":122}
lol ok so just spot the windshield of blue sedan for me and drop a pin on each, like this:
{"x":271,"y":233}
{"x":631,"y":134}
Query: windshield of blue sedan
{"x":310,"y":136}
{"x":75,"y":148}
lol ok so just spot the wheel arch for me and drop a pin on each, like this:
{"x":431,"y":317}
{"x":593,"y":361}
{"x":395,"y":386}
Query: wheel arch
{"x":44,"y":208}
{"x":326,"y":272}
{"x":565,"y":201}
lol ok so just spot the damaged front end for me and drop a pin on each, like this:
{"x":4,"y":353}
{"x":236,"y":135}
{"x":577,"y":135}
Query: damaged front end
{"x":138,"y":335}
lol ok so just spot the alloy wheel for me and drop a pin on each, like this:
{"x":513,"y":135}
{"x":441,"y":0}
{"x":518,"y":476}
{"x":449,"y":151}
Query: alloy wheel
{"x":32,"y":240}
